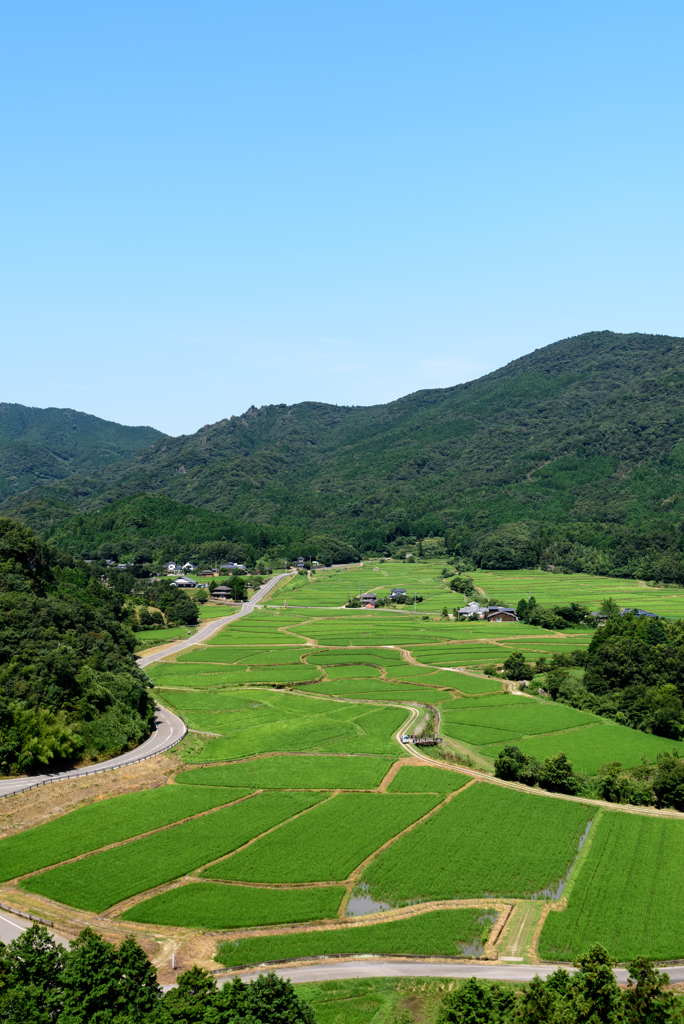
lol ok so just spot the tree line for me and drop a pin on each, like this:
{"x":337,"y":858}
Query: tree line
{"x":95,"y":982}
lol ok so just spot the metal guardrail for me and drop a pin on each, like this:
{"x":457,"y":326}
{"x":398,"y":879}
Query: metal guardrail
{"x":64,"y":777}
{"x":28,"y":917}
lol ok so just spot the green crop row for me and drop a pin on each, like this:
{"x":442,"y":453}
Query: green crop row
{"x":296,"y":772}
{"x":216,"y":906}
{"x":103,"y":823}
{"x":436,"y":933}
{"x":326,"y":844}
{"x":425,"y":779}
{"x":627,"y":894}
{"x":487,"y":841}
{"x":592,"y":746}
{"x":106,"y":878}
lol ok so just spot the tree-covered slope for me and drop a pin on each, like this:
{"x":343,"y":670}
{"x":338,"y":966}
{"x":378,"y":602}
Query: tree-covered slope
{"x":38,"y":446}
{"x":574,"y":454}
{"x":70,"y":689}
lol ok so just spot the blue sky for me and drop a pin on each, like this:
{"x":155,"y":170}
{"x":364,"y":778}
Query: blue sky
{"x":207,"y":205}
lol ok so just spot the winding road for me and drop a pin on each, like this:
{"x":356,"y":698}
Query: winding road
{"x":168,"y":728}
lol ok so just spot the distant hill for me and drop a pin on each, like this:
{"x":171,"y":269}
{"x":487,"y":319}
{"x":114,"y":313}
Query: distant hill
{"x":573,"y":454}
{"x":40,"y":446}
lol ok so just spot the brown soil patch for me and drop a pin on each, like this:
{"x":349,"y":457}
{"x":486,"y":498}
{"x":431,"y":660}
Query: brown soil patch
{"x":36,"y":806}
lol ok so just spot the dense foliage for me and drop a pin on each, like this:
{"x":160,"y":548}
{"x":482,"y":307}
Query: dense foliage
{"x":591,"y":995}
{"x":95,"y":982}
{"x":571,"y":456}
{"x":633,"y":673}
{"x":39,"y":446}
{"x":69,"y":686}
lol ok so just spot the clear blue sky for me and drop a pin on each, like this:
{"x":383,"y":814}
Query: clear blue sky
{"x":211,"y":204}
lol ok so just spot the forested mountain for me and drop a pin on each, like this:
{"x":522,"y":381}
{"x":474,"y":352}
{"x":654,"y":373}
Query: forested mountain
{"x":39,"y":446}
{"x":572,"y":455}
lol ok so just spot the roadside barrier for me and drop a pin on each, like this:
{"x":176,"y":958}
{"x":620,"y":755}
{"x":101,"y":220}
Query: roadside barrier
{"x":98,"y":769}
{"x":28,"y":917}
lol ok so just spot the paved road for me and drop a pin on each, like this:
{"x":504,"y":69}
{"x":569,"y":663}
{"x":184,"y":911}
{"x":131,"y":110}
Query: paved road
{"x":403,"y":969}
{"x":11,"y":927}
{"x":168,"y":728}
{"x":215,"y":624}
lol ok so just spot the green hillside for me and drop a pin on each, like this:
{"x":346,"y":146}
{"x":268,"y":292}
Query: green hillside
{"x":39,"y":446}
{"x":572,"y":455}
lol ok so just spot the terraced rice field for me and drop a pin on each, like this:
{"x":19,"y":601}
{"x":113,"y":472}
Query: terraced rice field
{"x":627,"y":894}
{"x":487,"y":841}
{"x":426,"y":780}
{"x":98,"y":882}
{"x":436,"y":933}
{"x":110,"y":821}
{"x":284,"y":772}
{"x":294,"y":719}
{"x":326,"y":844}
{"x":590,"y":747}
{"x":218,"y":906}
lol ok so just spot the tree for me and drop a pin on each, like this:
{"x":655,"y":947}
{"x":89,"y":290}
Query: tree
{"x":557,"y":775}
{"x":668,"y":784}
{"x":30,"y":978}
{"x":91,"y":981}
{"x":190,"y":1001}
{"x":646,"y":1001}
{"x":609,"y":607}
{"x":537,"y":1002}
{"x":475,"y":1003}
{"x":515,"y":667}
{"x":273,"y":1000}
{"x":597,"y":997}
{"x":138,"y":979}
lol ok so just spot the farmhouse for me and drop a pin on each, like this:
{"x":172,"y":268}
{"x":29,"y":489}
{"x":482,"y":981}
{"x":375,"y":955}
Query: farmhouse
{"x":183,"y":581}
{"x":497,"y":613}
{"x":473,"y":610}
{"x":222,"y":592}
{"x":208,"y":572}
{"x":171,"y":566}
{"x":369,"y":600}
{"x":397,"y":592}
{"x":232,"y":565}
{"x":639,"y":612}
{"x":189,"y":567}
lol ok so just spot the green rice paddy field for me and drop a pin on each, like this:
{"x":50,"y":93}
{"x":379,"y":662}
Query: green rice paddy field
{"x":331,"y":588}
{"x":285,"y":796}
{"x":436,"y":933}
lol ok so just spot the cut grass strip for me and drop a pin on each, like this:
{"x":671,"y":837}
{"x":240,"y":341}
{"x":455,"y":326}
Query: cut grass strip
{"x":326,"y":844}
{"x":218,"y":907}
{"x":302,"y":772}
{"x":436,"y":933}
{"x":103,"y":823}
{"x":106,"y":878}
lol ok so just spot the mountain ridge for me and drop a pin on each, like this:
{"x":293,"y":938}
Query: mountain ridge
{"x":579,"y":442}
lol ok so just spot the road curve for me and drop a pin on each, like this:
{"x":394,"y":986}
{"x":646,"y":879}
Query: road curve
{"x":168,"y":728}
{"x":378,"y":968}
